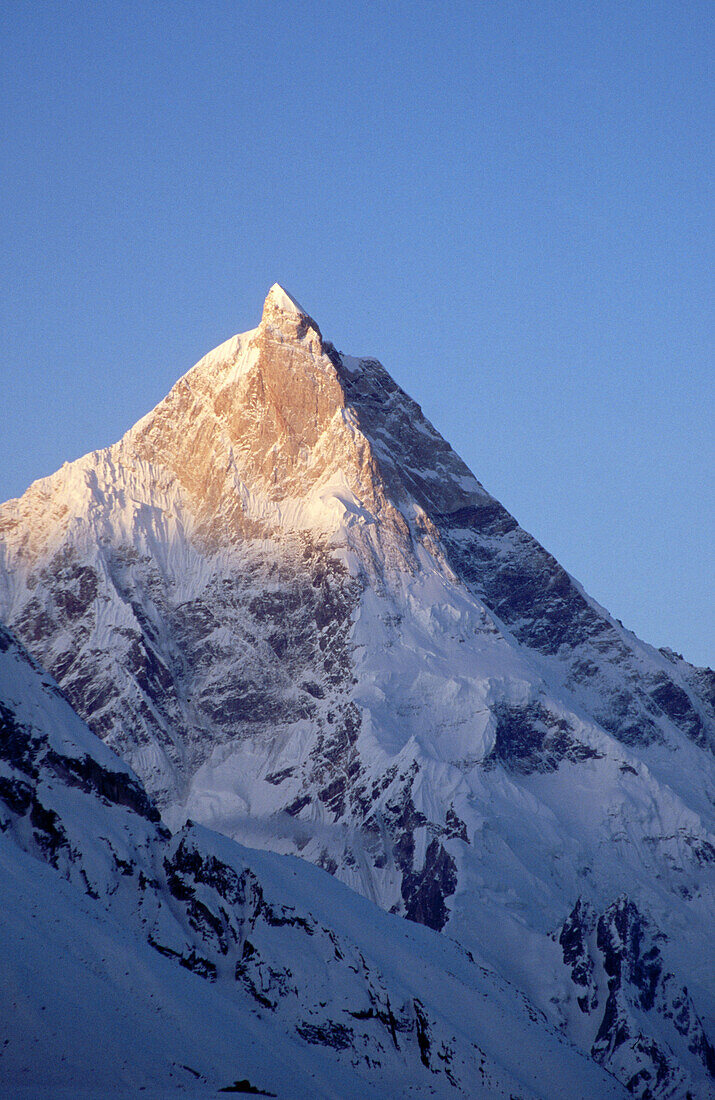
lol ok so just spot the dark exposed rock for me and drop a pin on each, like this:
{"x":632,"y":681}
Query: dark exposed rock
{"x":402,"y":820}
{"x":17,"y":744}
{"x":16,"y":794}
{"x":266,"y":984}
{"x":316,"y":690}
{"x":291,"y":612}
{"x":191,"y":961}
{"x":237,"y":890}
{"x":35,"y":625}
{"x":533,"y":593}
{"x":244,"y":1086}
{"x":326,"y":861}
{"x":676,"y":703}
{"x":533,"y":739}
{"x":118,"y":788}
{"x":580,"y":923}
{"x":297,"y":805}
{"x":703,"y":680}
{"x":535,"y":597}
{"x":625,"y":715}
{"x":628,"y":948}
{"x":423,"y":1034}
{"x":335,"y":764}
{"x":621,"y":939}
{"x":87,"y":692}
{"x":329,"y":1034}
{"x":276,"y":778}
{"x":49,"y":832}
{"x":455,"y":827}
{"x":425,"y":892}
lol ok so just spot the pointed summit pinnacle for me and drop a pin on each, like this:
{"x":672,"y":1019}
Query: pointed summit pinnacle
{"x":279,"y":299}
{"x":282,"y":312}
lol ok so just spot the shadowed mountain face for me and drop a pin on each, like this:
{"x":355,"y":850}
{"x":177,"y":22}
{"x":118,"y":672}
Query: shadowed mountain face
{"x":178,"y":965}
{"x":292,"y":608}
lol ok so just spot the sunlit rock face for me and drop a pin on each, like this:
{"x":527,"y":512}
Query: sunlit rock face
{"x":293,"y":609}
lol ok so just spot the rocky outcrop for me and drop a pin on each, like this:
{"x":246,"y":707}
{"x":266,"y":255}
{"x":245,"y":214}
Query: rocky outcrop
{"x":617,"y":966}
{"x":531,"y":739}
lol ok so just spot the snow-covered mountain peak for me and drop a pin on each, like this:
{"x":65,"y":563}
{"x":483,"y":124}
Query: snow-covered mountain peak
{"x":301,"y":619}
{"x":279,"y":299}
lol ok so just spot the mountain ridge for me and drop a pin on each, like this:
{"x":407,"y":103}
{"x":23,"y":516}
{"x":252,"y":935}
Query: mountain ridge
{"x":294,"y":610}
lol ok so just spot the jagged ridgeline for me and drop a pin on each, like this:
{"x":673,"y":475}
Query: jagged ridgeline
{"x":294,"y":611}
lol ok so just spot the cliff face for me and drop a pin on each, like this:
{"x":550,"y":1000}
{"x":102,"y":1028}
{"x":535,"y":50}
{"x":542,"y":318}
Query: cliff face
{"x":292,"y":608}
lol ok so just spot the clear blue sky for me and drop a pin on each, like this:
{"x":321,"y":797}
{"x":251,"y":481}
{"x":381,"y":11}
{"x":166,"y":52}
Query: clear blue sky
{"x":507,"y":203}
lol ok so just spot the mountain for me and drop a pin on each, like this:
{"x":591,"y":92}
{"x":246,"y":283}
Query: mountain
{"x":292,"y":609}
{"x":134,"y":961}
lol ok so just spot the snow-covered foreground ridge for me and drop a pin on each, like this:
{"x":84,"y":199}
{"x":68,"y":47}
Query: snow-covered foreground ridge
{"x":136,"y":962}
{"x":290,"y":606}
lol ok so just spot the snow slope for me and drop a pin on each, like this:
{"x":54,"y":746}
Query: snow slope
{"x":287,"y":603}
{"x":134,"y":961}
